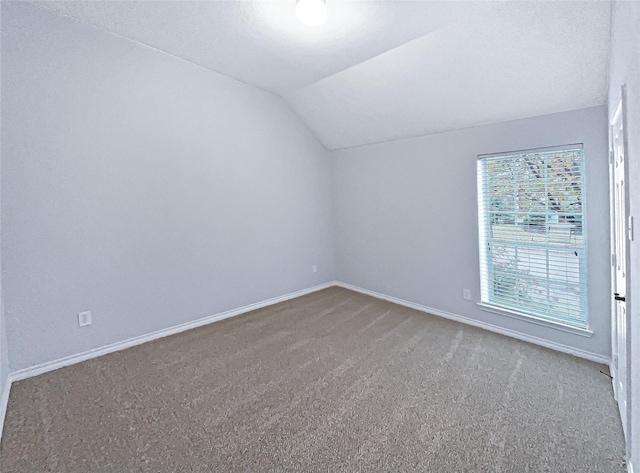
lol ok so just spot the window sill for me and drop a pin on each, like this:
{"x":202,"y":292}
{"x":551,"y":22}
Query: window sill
{"x":583,"y":332}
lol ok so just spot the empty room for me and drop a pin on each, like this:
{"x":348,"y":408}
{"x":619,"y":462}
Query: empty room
{"x":320,"y":235}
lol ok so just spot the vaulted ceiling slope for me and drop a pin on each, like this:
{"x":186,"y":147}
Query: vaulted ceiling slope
{"x":384,"y":70}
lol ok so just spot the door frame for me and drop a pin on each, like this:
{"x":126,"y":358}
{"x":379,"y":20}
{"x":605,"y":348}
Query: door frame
{"x":621,"y":109}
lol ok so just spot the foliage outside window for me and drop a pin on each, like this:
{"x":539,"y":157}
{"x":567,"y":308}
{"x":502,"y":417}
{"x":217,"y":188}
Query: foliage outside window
{"x":532,"y":238}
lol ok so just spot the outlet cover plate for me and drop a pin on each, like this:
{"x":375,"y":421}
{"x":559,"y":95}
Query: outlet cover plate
{"x":84,"y":318}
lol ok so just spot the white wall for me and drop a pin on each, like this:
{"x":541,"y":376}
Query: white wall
{"x":143,"y":188}
{"x":625,"y":69}
{"x":405,"y":217}
{"x":4,"y":354}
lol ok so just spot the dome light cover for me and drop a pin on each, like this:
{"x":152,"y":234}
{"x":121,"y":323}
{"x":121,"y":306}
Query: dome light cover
{"x":312,"y":12}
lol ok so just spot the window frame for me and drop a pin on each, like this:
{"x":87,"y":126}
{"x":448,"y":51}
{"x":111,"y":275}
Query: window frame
{"x":484,"y":236}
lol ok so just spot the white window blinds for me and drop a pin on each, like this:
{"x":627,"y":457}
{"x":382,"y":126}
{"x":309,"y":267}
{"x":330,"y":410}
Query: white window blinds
{"x":532,"y":233}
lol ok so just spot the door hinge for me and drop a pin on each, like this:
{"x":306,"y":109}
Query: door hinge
{"x":611,"y":157}
{"x":630,"y":227}
{"x":613,"y":259}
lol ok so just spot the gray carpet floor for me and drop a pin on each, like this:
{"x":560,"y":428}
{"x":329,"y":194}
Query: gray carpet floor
{"x":332,"y":381}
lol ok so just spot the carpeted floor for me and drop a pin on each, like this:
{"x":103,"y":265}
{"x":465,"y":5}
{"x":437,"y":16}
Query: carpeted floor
{"x":332,"y":381}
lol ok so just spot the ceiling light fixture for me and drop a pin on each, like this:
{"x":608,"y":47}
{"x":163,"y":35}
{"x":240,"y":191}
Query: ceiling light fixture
{"x":312,"y":12}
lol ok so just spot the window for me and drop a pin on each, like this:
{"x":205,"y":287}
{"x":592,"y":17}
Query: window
{"x":532,"y":234}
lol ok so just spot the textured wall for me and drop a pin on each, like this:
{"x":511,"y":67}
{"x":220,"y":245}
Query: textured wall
{"x":625,"y":69}
{"x":145,"y":189}
{"x":4,"y":354}
{"x":406,"y":225}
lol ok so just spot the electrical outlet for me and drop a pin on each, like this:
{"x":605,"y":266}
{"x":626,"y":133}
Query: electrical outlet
{"x":314,"y":268}
{"x":466,"y":294}
{"x":84,"y":318}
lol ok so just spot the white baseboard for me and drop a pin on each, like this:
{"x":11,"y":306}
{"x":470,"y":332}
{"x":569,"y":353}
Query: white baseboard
{"x":4,"y":402}
{"x":629,"y":467}
{"x":87,"y":355}
{"x":613,"y":381}
{"x":77,"y":358}
{"x":492,"y":328}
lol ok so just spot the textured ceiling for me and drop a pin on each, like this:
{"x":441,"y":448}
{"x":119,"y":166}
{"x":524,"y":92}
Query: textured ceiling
{"x":381,"y":70}
{"x":262,"y":42}
{"x":522,"y":60}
